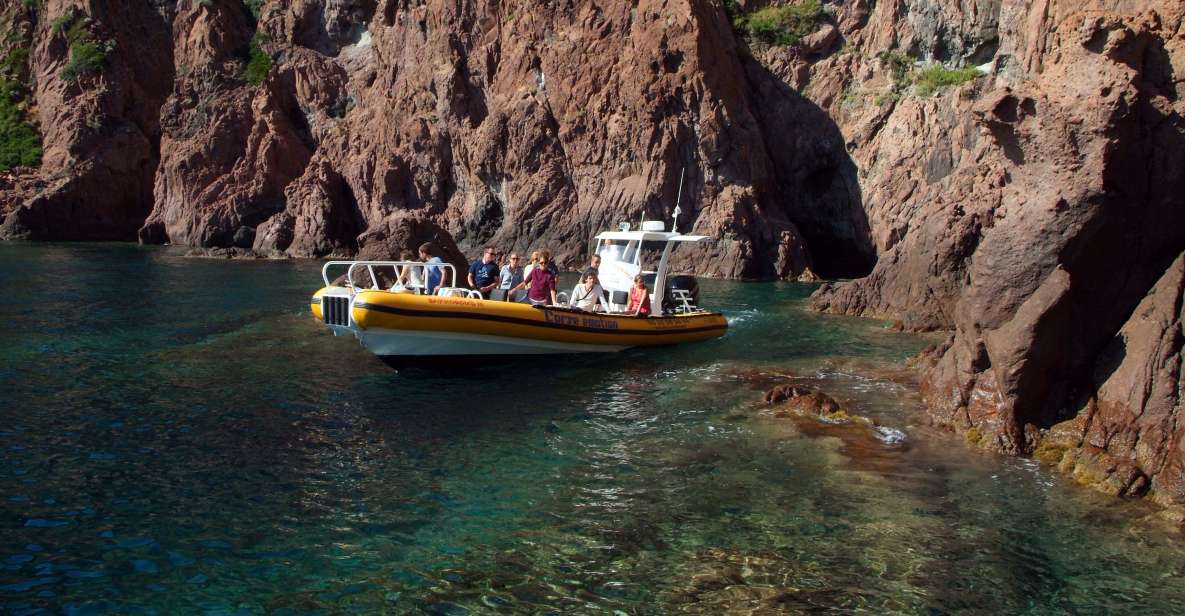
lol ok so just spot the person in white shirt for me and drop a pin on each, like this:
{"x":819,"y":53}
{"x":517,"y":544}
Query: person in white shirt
{"x":588,"y":293}
{"x":409,"y":275}
{"x":532,"y":265}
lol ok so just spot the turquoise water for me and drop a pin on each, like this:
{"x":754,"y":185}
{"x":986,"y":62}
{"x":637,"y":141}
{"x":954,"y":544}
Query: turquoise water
{"x":178,"y":436}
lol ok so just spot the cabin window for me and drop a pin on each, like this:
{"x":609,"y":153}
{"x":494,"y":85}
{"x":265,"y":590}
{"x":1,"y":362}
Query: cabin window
{"x":619,"y":250}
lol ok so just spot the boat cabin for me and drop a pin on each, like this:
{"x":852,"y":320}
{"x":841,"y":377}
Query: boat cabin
{"x":622,"y":253}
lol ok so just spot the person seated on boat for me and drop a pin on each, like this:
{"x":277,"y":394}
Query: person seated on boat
{"x":639,"y":305}
{"x":594,"y":264}
{"x":541,"y":283}
{"x":409,"y":275}
{"x":483,"y":273}
{"x":511,"y":275}
{"x":433,"y":271}
{"x":588,"y":293}
{"x":532,"y":264}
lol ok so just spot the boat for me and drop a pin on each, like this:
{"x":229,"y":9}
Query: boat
{"x":404,"y":320}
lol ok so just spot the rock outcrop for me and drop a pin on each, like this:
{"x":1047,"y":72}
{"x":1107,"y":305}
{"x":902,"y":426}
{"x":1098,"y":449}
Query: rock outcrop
{"x":1032,"y":212}
{"x":100,"y":129}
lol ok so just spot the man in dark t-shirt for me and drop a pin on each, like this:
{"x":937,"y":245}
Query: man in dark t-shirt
{"x":483,"y":274}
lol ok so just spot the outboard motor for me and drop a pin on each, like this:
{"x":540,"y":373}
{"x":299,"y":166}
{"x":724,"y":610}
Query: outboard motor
{"x":680,"y":286}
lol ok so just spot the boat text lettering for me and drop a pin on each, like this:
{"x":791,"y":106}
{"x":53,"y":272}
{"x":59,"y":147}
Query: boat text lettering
{"x":451,"y":301}
{"x":579,"y":320}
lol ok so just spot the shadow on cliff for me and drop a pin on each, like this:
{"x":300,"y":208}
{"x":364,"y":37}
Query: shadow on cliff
{"x":1120,"y":255}
{"x":815,"y":180}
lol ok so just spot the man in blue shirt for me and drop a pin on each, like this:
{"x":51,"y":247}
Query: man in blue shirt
{"x":434,"y":270}
{"x":512,"y":273}
{"x":483,"y":274}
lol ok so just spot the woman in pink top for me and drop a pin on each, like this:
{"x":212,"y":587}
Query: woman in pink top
{"x":639,"y":299}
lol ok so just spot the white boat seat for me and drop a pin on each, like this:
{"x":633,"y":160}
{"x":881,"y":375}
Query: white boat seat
{"x":458,"y":292}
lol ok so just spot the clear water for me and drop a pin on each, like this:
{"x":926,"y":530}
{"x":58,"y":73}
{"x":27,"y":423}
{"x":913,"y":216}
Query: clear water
{"x":178,"y":436}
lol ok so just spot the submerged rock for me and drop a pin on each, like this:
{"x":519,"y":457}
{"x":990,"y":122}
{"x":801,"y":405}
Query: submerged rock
{"x":863,"y":439}
{"x":803,"y":400}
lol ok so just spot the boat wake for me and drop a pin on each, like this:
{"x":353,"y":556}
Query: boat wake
{"x":741,"y":316}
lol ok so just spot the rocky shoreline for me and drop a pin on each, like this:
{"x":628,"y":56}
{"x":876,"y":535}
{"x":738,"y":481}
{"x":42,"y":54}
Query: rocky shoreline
{"x":1009,"y":172}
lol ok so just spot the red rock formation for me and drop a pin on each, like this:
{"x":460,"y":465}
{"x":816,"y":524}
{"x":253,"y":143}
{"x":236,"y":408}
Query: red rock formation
{"x":506,"y":123}
{"x":100,"y":131}
{"x":1031,"y":212}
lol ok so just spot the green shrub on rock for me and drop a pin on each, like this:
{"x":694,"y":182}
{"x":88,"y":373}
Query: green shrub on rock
{"x":255,"y":6}
{"x":898,"y":64}
{"x":88,"y":54}
{"x":936,"y":77}
{"x":259,"y":63}
{"x":785,"y":25}
{"x":777,"y":25}
{"x":20,"y":144}
{"x":86,"y":58}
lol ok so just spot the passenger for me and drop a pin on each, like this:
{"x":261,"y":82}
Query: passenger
{"x":551,"y":266}
{"x":532,"y":265}
{"x":589,"y":293}
{"x":541,"y":283}
{"x":409,"y":275}
{"x":639,"y":298}
{"x":433,"y":271}
{"x":483,"y":273}
{"x":511,"y":275}
{"x":594,"y":264}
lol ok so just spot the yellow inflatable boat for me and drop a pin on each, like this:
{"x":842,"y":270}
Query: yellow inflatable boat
{"x":405,"y":321}
{"x":391,"y":324}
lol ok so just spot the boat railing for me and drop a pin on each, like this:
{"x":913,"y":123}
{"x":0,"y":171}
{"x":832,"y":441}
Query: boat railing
{"x":400,"y":267}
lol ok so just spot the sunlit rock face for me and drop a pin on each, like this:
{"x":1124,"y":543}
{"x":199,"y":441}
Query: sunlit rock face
{"x":517,"y":124}
{"x":1037,"y":213}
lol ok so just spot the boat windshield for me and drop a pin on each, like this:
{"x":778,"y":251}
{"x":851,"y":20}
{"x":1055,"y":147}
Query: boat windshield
{"x":619,"y":264}
{"x":619,"y":250}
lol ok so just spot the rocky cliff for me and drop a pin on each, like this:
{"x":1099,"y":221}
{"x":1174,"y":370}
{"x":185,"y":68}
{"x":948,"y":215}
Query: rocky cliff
{"x":1006,"y":170}
{"x":1037,"y":212}
{"x":320,"y":127}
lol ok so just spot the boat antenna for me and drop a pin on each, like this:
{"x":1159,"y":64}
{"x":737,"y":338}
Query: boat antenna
{"x":678,"y":199}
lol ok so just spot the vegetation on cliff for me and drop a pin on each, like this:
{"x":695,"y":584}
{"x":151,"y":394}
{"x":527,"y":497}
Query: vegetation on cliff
{"x":88,"y":53}
{"x":933,"y":78}
{"x":903,"y":77}
{"x":20,"y":144}
{"x":259,"y":62}
{"x":776,"y":25}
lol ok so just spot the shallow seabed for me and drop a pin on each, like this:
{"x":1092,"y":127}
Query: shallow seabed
{"x":180,"y":437}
